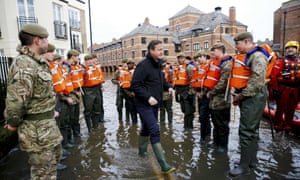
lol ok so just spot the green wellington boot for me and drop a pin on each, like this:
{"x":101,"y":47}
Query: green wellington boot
{"x":159,"y":153}
{"x":143,"y":144}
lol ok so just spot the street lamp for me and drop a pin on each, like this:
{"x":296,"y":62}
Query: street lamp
{"x":90,"y":21}
{"x":284,"y":25}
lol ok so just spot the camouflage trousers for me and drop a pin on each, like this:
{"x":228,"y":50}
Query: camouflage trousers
{"x":43,"y":163}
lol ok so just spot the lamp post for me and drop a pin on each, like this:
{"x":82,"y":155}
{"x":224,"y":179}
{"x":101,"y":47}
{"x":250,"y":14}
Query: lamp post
{"x":90,"y":21}
{"x":284,"y":26}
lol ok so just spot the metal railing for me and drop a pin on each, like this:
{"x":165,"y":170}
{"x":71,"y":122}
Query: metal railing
{"x":22,"y":20}
{"x":60,"y":29}
{"x":4,"y":66}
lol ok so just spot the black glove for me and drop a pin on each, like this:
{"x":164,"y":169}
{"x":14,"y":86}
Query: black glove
{"x":276,"y":94}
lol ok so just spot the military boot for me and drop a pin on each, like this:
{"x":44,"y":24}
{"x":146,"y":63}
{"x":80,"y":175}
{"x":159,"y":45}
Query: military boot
{"x":170,"y":117}
{"x":162,"y":116}
{"x":143,"y":144}
{"x":159,"y":153}
{"x":127,"y":115}
{"x":133,"y":117}
{"x":243,"y":168}
{"x":120,"y":115}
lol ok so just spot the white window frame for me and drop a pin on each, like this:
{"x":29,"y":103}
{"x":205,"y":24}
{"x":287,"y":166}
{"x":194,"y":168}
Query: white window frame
{"x":27,"y":8}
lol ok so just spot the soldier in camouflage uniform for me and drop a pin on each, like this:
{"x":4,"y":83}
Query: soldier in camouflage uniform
{"x":120,"y":93}
{"x":218,"y":103}
{"x":251,"y":100}
{"x":30,"y":103}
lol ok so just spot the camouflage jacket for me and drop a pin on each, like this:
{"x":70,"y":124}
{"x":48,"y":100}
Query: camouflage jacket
{"x":217,"y":94}
{"x":258,"y":64}
{"x":29,"y":87}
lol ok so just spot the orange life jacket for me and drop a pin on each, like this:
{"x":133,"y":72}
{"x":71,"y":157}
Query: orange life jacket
{"x":199,"y":73}
{"x":91,"y":76}
{"x":76,"y":75}
{"x":101,"y":76}
{"x":180,"y":75}
{"x":213,"y":73}
{"x":240,"y":72}
{"x":125,"y":78}
{"x":57,"y":77}
{"x":68,"y":81}
{"x":166,"y":71}
{"x":268,"y":52}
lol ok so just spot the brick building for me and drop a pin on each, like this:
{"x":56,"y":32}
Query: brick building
{"x":189,"y":31}
{"x":287,"y":23}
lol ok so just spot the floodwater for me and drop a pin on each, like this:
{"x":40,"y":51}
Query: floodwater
{"x":110,"y":152}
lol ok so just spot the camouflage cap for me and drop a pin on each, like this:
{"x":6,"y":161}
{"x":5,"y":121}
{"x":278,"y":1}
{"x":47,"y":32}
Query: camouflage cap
{"x":130,"y":61}
{"x":51,"y":48}
{"x":35,"y":30}
{"x":242,"y":36}
{"x":180,"y":55}
{"x":88,"y":57}
{"x":124,"y":60}
{"x":56,"y":57}
{"x":73,"y":52}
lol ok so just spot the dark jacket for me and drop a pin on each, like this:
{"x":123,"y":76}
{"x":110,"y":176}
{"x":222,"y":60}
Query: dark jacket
{"x":148,"y":80}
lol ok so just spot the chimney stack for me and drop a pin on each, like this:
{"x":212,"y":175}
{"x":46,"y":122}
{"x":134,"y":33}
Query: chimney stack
{"x":232,"y":19}
{"x":146,"y":22}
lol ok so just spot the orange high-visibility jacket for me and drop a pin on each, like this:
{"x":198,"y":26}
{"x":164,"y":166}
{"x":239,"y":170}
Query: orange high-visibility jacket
{"x":68,"y":81}
{"x":76,"y":76}
{"x":198,"y":75}
{"x":125,"y":78}
{"x":213,"y":73}
{"x":57,"y":77}
{"x":101,"y":76}
{"x":91,"y":76}
{"x":240,"y":72}
{"x":180,"y":75}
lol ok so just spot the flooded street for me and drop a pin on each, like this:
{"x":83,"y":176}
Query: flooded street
{"x":111,"y":152}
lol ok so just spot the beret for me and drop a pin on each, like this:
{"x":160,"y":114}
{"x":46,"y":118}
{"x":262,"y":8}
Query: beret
{"x":130,"y":61}
{"x":124,"y":60}
{"x":73,"y":52}
{"x":35,"y":30}
{"x":56,"y":57}
{"x":180,"y":55}
{"x":242,"y":36}
{"x":217,"y":46}
{"x":51,"y":48}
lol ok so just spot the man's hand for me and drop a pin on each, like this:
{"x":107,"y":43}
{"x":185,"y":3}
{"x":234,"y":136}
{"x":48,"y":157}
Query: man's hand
{"x":171,"y":92}
{"x":152,"y":101}
{"x":10,"y":128}
{"x":56,"y":114}
{"x":70,"y":101}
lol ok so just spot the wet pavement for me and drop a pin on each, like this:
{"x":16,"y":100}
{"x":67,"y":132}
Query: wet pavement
{"x":110,"y":152}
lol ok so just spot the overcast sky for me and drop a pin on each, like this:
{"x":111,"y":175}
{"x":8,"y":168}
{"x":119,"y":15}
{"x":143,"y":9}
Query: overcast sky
{"x":115,"y":18}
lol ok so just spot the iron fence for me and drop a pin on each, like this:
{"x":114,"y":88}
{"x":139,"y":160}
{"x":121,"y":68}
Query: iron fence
{"x":4,"y":66}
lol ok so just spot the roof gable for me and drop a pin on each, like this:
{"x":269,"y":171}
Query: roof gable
{"x":187,"y":10}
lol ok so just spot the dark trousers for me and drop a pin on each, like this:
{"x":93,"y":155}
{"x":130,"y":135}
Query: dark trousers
{"x":92,"y":107}
{"x":74,"y":118}
{"x":187,"y":104}
{"x":204,"y":117}
{"x":220,"y":119}
{"x":149,"y":115}
{"x":166,"y":105}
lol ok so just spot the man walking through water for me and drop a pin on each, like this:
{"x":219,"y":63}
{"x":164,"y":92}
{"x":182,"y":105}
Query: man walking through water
{"x":148,"y":84}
